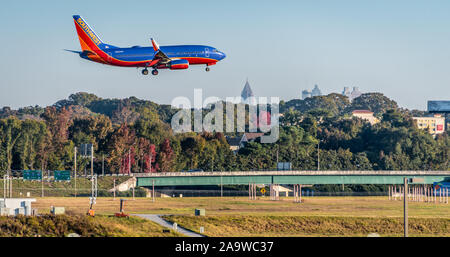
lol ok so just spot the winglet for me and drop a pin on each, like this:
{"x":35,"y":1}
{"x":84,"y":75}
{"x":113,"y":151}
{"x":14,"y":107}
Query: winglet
{"x":155,"y":45}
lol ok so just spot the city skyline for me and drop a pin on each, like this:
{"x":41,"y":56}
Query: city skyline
{"x":400,"y":49}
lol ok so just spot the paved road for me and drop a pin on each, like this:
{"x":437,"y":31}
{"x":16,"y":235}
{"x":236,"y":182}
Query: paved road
{"x":165,"y":223}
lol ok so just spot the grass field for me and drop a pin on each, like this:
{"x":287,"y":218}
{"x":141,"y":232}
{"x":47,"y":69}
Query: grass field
{"x":316,"y":216}
{"x":313,"y":206}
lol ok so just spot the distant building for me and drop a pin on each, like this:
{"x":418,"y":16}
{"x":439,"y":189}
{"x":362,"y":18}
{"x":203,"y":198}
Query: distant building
{"x":316,"y":91}
{"x":441,"y":107}
{"x":351,"y":95}
{"x":236,"y":143}
{"x":365,"y":115}
{"x":346,"y":92}
{"x":306,"y":94}
{"x":434,"y":125}
{"x":355,"y":93}
{"x":247,"y":94}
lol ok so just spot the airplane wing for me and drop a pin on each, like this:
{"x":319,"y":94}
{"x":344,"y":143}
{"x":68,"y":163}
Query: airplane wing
{"x":160,"y":57}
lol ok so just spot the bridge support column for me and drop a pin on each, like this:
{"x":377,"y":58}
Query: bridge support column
{"x":297,"y":193}
{"x":251,"y":191}
{"x":300,"y":191}
{"x":153,"y":190}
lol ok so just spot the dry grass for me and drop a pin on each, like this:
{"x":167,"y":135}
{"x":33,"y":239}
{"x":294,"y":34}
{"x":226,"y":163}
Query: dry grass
{"x":313,"y":206}
{"x":260,"y":226}
{"x":238,"y":216}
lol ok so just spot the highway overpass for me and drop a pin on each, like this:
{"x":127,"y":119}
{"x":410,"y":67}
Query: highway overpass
{"x":285,"y":177}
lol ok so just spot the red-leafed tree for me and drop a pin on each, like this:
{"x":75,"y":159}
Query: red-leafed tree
{"x":128,"y":160}
{"x":166,"y":156}
{"x":150,"y":164}
{"x":58,"y":123}
{"x":122,"y":141}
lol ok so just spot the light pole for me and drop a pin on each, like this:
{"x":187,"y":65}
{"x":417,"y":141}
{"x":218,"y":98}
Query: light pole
{"x":75,"y":169}
{"x":405,"y":206}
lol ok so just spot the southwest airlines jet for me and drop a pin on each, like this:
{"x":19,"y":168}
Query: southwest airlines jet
{"x":175,"y":57}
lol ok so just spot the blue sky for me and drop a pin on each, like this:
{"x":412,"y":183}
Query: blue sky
{"x":400,"y":48}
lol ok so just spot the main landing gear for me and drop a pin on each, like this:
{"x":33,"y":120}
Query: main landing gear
{"x":145,"y":72}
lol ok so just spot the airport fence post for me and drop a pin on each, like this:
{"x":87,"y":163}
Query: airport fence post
{"x":434,"y":195}
{"x":440,"y":195}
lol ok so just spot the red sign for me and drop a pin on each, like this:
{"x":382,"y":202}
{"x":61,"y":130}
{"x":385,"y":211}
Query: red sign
{"x":440,"y":127}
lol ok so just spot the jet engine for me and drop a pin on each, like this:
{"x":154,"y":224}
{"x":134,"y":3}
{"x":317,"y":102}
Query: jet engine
{"x":178,"y":64}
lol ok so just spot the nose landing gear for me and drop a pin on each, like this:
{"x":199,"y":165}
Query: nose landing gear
{"x":207,"y":68}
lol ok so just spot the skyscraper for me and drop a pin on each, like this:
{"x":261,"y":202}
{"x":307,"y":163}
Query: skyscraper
{"x":355,"y":93}
{"x":346,"y":92}
{"x":316,"y":91}
{"x":247,"y":94}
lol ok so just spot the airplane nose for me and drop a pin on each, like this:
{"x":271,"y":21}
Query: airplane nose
{"x":222,"y":55}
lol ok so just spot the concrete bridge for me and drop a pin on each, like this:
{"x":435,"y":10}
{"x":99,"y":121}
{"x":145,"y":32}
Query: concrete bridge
{"x":286,"y":177}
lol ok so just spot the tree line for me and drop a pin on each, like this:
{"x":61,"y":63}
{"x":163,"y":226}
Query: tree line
{"x":135,"y":135}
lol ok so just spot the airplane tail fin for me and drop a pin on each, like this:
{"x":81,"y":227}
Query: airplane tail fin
{"x":89,"y":41}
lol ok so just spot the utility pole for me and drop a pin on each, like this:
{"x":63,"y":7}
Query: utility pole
{"x":153,"y":190}
{"x":129,"y":161}
{"x":278,"y":149}
{"x":75,"y":169}
{"x":405,"y":207}
{"x":42,"y":183}
{"x":92,"y":160}
{"x":114,"y":188}
{"x":318,"y":155}
{"x":150,"y":157}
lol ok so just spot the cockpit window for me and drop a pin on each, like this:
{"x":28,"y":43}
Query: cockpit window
{"x":215,"y":50}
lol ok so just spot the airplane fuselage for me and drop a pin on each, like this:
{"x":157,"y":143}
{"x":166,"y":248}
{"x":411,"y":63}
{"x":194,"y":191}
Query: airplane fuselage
{"x":138,"y":56}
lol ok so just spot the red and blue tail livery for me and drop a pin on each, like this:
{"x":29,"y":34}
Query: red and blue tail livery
{"x":176,"y":57}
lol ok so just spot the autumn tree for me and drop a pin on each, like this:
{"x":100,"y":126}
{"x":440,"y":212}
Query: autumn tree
{"x":166,"y":157}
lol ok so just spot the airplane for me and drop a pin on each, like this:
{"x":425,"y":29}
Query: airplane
{"x":176,"y":57}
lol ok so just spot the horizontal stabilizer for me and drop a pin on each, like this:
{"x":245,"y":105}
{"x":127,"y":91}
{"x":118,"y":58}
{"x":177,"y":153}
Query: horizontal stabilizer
{"x":73,"y":51}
